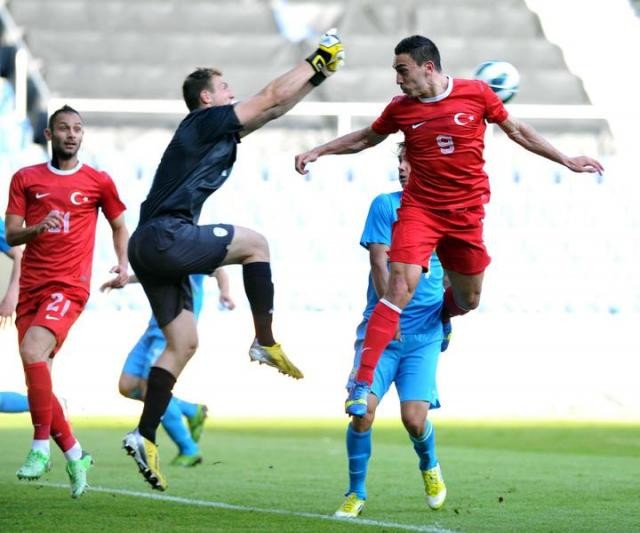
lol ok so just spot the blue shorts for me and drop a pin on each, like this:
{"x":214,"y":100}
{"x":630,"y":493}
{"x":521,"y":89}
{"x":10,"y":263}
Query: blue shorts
{"x":145,"y":352}
{"x":410,"y":363}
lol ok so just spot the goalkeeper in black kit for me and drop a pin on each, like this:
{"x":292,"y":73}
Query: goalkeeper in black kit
{"x":168,"y":245}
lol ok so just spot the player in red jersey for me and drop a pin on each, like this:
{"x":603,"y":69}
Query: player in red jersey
{"x":443,"y":120}
{"x":53,"y":209}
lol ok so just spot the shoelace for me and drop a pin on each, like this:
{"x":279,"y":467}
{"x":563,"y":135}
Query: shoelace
{"x":351,"y":504}
{"x":359,"y":394}
{"x":433,"y":483}
{"x":32,"y":459}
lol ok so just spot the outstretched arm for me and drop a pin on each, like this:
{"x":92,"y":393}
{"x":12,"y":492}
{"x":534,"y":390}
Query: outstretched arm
{"x":287,"y":90}
{"x":527,"y":137}
{"x":350,"y":143}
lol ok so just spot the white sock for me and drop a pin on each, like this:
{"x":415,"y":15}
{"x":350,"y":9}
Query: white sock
{"x":41,"y":446}
{"x":74,"y":453}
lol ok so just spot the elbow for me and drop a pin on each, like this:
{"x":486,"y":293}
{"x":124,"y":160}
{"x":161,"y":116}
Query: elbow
{"x":275,"y":99}
{"x":16,"y":253}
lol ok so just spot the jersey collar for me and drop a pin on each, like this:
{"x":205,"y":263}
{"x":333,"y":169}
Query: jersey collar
{"x":64,"y":172}
{"x":441,"y":96}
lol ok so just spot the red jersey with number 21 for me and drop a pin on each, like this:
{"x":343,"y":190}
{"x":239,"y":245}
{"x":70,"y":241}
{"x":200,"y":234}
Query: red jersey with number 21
{"x":444,"y":138}
{"x":61,"y":255}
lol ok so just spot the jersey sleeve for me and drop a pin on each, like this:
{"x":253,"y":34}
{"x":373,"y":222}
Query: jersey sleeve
{"x":17,"y":196}
{"x":377,"y":228}
{"x":110,"y":202}
{"x":4,"y":245}
{"x":216,"y":121}
{"x":495,"y":110}
{"x":386,"y":124}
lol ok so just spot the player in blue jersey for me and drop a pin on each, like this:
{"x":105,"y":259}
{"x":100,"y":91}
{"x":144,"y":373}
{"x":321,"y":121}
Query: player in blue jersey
{"x":169,"y":245}
{"x":410,"y":361}
{"x":133,"y":379}
{"x":11,"y":402}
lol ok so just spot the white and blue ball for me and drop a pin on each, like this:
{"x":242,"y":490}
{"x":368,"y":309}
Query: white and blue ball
{"x":501,"y":76}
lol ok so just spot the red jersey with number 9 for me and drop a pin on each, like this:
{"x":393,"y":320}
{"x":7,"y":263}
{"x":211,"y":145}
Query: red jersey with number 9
{"x":444,"y":138}
{"x":61,"y":255}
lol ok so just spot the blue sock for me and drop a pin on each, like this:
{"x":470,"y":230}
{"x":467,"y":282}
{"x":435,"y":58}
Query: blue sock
{"x":174,"y":425}
{"x":425,"y":447}
{"x":188,"y":409}
{"x":13,"y":402}
{"x":358,"y":452}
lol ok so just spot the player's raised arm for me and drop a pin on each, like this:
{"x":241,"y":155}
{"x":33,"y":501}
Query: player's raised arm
{"x":350,"y":143}
{"x":526,"y":136}
{"x":280,"y":95}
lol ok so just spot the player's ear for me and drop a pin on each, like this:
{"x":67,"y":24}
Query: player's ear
{"x":48,"y":134}
{"x":429,"y":67}
{"x":206,"y":96}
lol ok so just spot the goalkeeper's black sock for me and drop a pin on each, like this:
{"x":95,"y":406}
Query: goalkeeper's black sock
{"x":159,"y":386}
{"x":259,"y":289}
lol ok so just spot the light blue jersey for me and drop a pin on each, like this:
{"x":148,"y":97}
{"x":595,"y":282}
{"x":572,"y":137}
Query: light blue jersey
{"x":152,"y":343}
{"x":4,"y":247}
{"x":422,"y":315}
{"x":410,"y":362}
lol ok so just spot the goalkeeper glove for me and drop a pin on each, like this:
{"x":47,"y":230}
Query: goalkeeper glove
{"x":328,"y":58}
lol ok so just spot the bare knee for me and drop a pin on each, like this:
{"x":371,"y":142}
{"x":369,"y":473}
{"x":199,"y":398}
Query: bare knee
{"x":247,"y":246}
{"x":364,"y":423}
{"x":37,"y":345}
{"x":399,"y":290}
{"x":131,"y":387}
{"x":259,"y":250}
{"x":31,"y":354}
{"x":470,"y":299}
{"x":187,"y":349}
{"x":466,"y":289}
{"x":414,"y":417}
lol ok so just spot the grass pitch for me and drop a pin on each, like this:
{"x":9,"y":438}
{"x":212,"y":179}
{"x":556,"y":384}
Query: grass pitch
{"x":286,"y":476}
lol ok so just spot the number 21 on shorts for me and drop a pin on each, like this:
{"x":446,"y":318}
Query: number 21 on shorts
{"x":58,"y":306}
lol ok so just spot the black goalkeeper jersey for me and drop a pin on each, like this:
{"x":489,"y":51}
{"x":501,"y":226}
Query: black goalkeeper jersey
{"x":195,"y":164}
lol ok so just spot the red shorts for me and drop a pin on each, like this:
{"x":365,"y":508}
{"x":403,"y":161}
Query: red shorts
{"x":55,"y":307}
{"x":457,"y":234}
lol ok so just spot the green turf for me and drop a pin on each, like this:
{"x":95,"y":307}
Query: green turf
{"x":500,"y":477}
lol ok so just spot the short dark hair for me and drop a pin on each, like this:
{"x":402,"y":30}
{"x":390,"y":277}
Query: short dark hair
{"x":420,"y":49}
{"x":64,"y":109}
{"x":194,"y":83}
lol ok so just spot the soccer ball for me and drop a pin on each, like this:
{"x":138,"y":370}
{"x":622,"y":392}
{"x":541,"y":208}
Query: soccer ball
{"x":501,"y":76}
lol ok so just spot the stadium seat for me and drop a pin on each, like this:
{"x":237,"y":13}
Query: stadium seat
{"x":159,"y":15}
{"x":103,"y":49}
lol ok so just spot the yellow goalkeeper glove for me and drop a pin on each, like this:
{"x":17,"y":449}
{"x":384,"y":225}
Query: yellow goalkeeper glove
{"x":328,"y":58}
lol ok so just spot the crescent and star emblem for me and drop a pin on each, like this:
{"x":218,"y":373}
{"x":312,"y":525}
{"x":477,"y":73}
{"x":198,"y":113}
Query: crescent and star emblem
{"x":77,"y":198}
{"x":462,"y":119}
